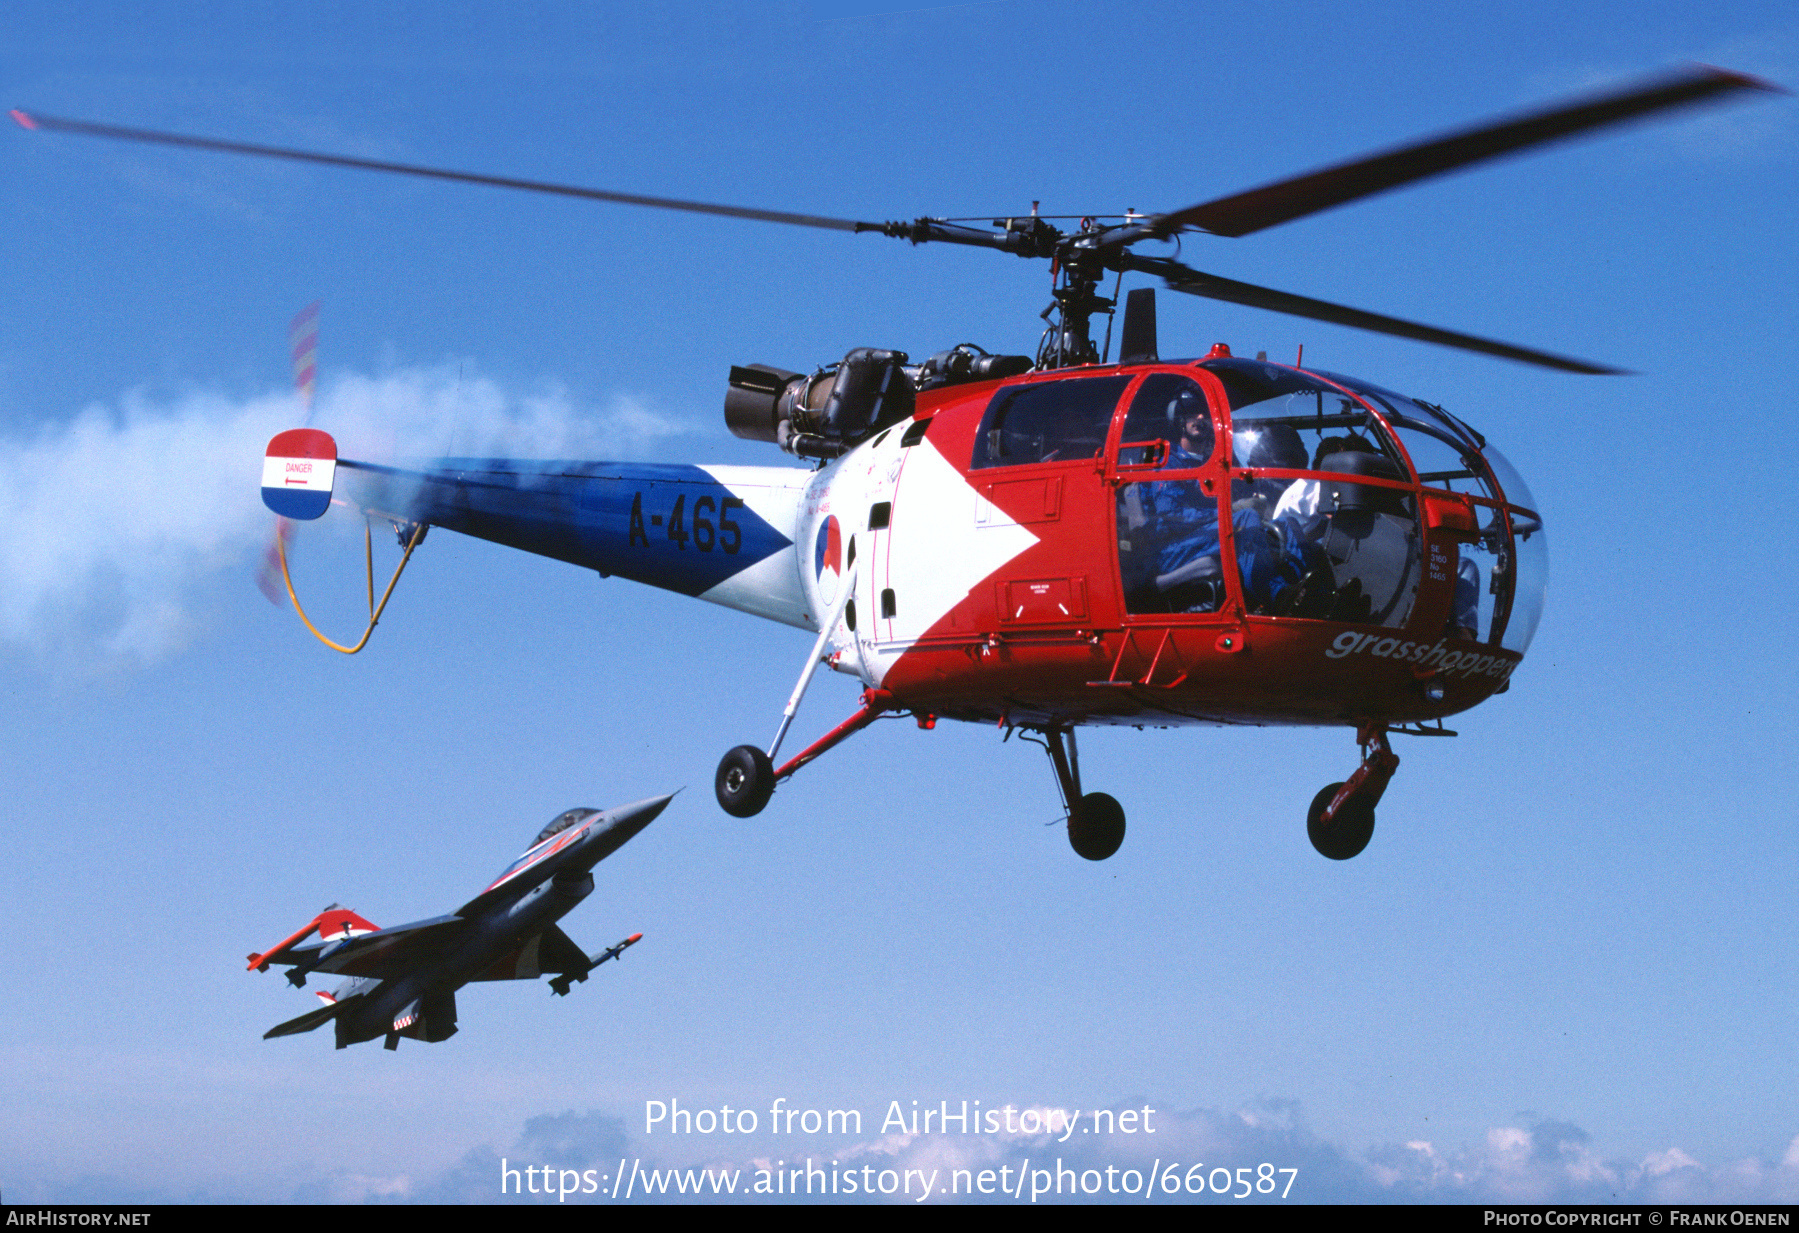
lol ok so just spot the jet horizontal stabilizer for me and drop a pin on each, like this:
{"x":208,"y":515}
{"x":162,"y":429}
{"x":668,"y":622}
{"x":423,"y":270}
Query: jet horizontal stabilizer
{"x":334,"y":923}
{"x":309,"y":1020}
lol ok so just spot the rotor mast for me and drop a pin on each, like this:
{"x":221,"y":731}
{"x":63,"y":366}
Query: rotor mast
{"x":1077,"y":263}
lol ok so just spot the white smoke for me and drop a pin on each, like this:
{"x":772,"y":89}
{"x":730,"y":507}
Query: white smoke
{"x":433,"y":412}
{"x":115,"y":524}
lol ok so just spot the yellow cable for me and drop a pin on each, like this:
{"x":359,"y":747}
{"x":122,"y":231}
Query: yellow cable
{"x":368,"y":547}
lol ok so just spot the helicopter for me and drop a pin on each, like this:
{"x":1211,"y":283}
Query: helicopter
{"x":1044,"y":542}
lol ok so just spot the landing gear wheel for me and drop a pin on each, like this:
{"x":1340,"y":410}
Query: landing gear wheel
{"x":745,"y":781}
{"x":1347,"y":834}
{"x":1096,"y":826}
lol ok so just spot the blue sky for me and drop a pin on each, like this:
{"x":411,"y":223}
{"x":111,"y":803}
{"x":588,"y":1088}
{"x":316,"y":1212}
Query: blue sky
{"x":1562,"y":969}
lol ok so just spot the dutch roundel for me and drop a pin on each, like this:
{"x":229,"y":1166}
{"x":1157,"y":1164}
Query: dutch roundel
{"x":828,"y":559}
{"x":298,"y":471}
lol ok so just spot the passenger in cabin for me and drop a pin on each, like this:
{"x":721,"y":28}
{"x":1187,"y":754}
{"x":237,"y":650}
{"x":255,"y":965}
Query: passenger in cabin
{"x":1265,"y":446}
{"x":1301,"y":497}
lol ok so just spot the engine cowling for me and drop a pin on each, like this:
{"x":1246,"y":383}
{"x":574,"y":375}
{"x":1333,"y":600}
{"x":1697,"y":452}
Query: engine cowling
{"x":825,"y":413}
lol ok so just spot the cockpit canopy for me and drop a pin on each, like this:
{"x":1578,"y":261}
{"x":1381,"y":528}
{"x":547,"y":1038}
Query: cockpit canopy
{"x":1331,"y":487}
{"x":562,"y":821}
{"x":1354,"y":427}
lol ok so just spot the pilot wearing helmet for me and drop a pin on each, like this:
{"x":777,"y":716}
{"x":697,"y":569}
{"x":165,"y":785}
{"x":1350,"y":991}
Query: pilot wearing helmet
{"x":1190,"y":424}
{"x":1180,"y":517}
{"x":1179,"y":566}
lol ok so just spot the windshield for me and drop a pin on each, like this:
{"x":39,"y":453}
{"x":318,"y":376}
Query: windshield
{"x":1330,"y":479}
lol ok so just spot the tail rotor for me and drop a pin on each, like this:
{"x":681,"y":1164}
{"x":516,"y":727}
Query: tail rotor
{"x":303,"y":345}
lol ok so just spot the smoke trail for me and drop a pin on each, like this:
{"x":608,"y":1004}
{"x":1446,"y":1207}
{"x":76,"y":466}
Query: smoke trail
{"x":114,"y":524}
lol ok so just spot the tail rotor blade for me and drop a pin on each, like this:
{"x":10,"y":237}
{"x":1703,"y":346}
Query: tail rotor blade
{"x":303,"y":343}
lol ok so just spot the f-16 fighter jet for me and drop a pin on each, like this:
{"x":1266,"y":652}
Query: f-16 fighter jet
{"x":404,"y":979}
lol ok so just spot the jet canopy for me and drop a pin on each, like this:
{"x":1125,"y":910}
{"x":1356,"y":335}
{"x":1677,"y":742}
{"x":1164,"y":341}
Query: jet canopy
{"x":562,"y":821}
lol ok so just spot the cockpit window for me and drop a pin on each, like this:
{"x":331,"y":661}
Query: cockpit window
{"x":1295,"y":423}
{"x":1047,"y":421}
{"x":1169,"y":546}
{"x":562,"y":822}
{"x":1247,"y":381}
{"x":1444,"y":451}
{"x":1316,"y":507}
{"x":1169,"y":424}
{"x":1322,"y":545}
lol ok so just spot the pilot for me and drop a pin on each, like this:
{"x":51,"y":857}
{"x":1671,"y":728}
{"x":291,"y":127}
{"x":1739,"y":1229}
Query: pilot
{"x":1180,"y":518}
{"x":1184,"y":517}
{"x":1190,"y":428}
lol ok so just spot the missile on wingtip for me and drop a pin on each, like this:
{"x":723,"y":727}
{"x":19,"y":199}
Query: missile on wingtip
{"x":613,"y":952}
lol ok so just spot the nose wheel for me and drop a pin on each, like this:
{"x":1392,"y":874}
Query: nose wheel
{"x":1095,"y":820}
{"x":1096,"y":826}
{"x":1341,"y":820}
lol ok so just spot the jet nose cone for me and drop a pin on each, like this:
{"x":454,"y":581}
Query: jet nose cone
{"x":622,"y":822}
{"x":639,"y":814}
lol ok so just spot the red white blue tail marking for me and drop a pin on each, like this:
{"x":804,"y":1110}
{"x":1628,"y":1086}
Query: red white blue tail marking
{"x":298,"y":473}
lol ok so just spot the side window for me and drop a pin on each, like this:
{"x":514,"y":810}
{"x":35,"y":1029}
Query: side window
{"x":1328,"y":547}
{"x":1047,"y":421}
{"x":1169,"y":555}
{"x":1169,"y":424}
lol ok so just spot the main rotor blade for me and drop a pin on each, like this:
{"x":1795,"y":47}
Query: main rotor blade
{"x":58,"y":124}
{"x":1212,"y":287}
{"x":1286,"y":200}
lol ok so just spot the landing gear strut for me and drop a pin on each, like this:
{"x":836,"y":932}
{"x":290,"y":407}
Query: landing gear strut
{"x":1095,"y":820}
{"x":1341,"y":819}
{"x":747,"y":777}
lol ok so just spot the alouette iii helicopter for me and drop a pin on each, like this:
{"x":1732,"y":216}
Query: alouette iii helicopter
{"x":1044,"y":542}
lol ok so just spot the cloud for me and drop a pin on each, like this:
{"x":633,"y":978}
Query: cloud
{"x":558,"y":1141}
{"x":115,"y":524}
{"x":1196,"y":1155}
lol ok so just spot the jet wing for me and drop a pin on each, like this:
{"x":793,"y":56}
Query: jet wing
{"x":548,"y":952}
{"x":382,"y":955}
